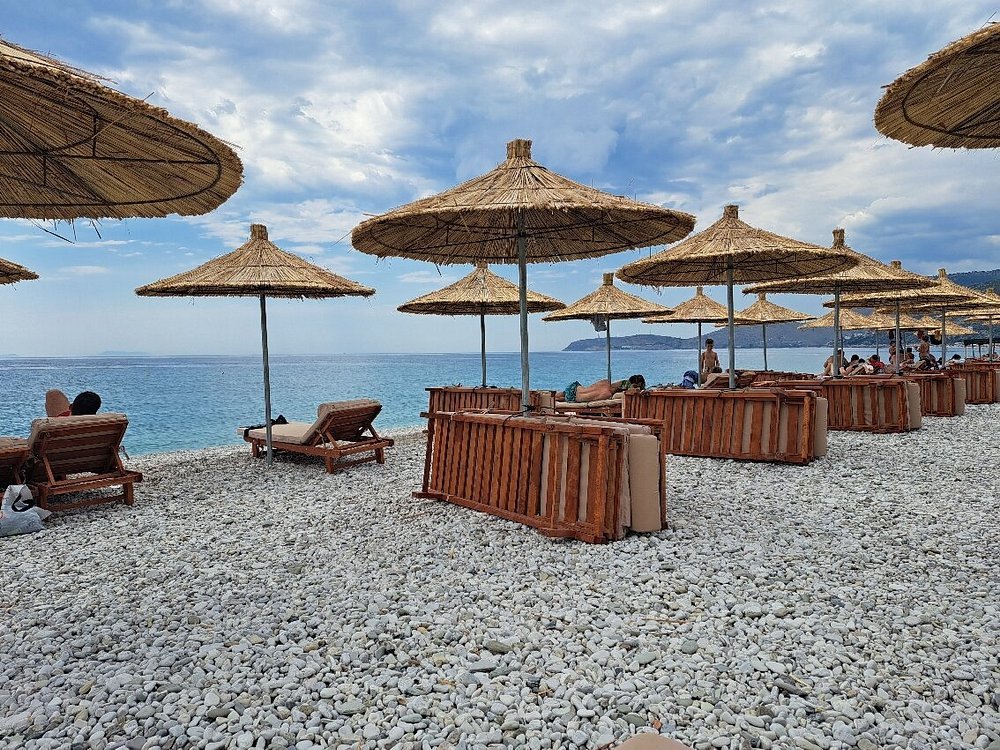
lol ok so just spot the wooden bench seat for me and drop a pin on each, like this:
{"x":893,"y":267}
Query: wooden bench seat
{"x":777,"y":425}
{"x":567,"y":477}
{"x":456,"y":398}
{"x":982,"y":381}
{"x":942,"y":393}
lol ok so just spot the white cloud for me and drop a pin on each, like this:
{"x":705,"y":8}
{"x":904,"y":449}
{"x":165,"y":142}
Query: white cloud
{"x":84,"y":270}
{"x":427,"y":277}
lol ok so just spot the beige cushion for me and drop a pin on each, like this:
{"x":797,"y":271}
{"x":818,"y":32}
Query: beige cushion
{"x":960,"y":391}
{"x":644,"y":482}
{"x":40,"y":425}
{"x":913,"y":405}
{"x":571,"y":405}
{"x":293,"y":432}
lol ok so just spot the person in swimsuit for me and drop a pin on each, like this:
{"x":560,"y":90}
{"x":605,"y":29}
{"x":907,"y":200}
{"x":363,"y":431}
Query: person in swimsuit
{"x":601,"y":390}
{"x":709,"y":360}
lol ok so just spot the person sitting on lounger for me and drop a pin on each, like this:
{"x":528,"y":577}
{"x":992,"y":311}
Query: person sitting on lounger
{"x":828,"y":365}
{"x":57,"y":405}
{"x":600,"y":391}
{"x":877,"y":365}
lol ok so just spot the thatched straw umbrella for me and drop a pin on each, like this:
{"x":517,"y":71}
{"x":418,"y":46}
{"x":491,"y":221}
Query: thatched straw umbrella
{"x":73,"y":148}
{"x":951,"y":99}
{"x":763,"y":312}
{"x":519,"y":212}
{"x":606,"y":304}
{"x":11,"y":273}
{"x":699,"y":309}
{"x":731,"y":251}
{"x":943,"y":295}
{"x":480,"y":293}
{"x":257,"y":268}
{"x":867,"y":275}
{"x":987,"y":313}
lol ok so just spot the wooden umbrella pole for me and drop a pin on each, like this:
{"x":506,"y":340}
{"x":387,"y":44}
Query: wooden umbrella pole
{"x":607,"y":340}
{"x":731,"y":312}
{"x":522,"y":293}
{"x":267,"y":380}
{"x":835,"y":362}
{"x":699,"y":352}
{"x":482,"y":339}
{"x":763,"y":329}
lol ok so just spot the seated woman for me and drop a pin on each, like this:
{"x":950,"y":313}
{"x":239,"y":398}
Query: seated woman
{"x":828,"y":364}
{"x":877,"y":365}
{"x":57,"y":405}
{"x":601,"y":390}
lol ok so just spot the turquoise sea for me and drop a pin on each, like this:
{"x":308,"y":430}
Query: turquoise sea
{"x":177,"y":403}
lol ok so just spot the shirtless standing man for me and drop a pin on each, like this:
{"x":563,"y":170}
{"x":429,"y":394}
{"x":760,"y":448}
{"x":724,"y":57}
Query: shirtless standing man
{"x":709,"y":360}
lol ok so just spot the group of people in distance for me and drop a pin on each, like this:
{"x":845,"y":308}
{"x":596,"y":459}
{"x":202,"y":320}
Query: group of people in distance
{"x":910,"y":361}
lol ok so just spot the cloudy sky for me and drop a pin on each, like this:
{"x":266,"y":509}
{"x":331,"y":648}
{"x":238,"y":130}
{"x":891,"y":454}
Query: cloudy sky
{"x":344,"y":110}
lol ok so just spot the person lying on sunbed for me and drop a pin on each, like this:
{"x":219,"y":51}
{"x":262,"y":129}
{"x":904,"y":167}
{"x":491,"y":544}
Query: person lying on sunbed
{"x":57,"y":405}
{"x":600,"y":391}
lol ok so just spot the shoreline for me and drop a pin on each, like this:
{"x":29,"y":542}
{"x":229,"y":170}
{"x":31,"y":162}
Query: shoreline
{"x":805,"y":607}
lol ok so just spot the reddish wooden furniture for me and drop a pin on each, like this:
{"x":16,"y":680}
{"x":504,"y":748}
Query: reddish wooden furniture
{"x":342,"y":429}
{"x":460,"y":398}
{"x":13,"y":452}
{"x":757,"y":424}
{"x":942,"y":393}
{"x":982,"y":381}
{"x":567,"y":477}
{"x":71,"y":455}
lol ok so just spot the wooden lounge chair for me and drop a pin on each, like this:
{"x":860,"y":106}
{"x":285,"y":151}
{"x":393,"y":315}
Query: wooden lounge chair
{"x":71,"y":455}
{"x":13,"y":452}
{"x":339,"y":430}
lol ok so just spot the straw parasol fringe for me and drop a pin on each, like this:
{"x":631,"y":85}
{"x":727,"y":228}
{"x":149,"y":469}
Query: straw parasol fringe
{"x":518,"y":212}
{"x":70,"y":147}
{"x":608,"y":303}
{"x":764,"y":312}
{"x":11,"y":272}
{"x":480,"y":293}
{"x":258,"y":268}
{"x":951,"y":99}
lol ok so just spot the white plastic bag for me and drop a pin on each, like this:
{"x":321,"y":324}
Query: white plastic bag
{"x":18,"y":514}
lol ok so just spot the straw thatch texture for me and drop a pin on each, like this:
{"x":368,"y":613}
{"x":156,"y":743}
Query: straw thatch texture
{"x":906,"y":322}
{"x":764,"y":311}
{"x":699,"y":309}
{"x":949,"y":100}
{"x":608,"y":302}
{"x":941,"y":293}
{"x":256,"y":268}
{"x":480,"y":220}
{"x":849,"y":321}
{"x":951,"y":327}
{"x":755,"y":255}
{"x":11,"y":272}
{"x":867,"y":275}
{"x":481,"y":292}
{"x":70,"y":147}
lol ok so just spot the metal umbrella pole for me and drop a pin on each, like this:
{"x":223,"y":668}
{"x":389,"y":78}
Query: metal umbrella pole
{"x":899,"y":343}
{"x":731,"y":310}
{"x":482,"y":338}
{"x":944,"y":339}
{"x":522,"y":293}
{"x":699,"y":350}
{"x":763,"y":329}
{"x":267,"y":379}
{"x":607,"y":340}
{"x":835,"y":362}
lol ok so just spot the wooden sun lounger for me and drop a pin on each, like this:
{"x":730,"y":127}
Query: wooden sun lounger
{"x":982,"y":381}
{"x":456,"y":398}
{"x":13,"y":453}
{"x":71,"y":455}
{"x":342,"y":429}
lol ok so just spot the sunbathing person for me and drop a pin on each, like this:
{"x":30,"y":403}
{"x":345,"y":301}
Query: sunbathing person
{"x":601,"y":390}
{"x":877,"y":365}
{"x":57,"y":405}
{"x":828,"y":365}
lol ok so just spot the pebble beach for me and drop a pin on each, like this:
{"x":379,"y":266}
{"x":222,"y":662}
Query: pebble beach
{"x":850,"y":603}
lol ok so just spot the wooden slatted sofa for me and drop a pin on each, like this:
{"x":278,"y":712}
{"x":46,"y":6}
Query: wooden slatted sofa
{"x":942,"y":392}
{"x":342,"y":430}
{"x":754,"y":424}
{"x":73,"y":455}
{"x":982,"y":381}
{"x":568,"y":477}
{"x":13,"y":453}
{"x":455,"y":398}
{"x":866,"y":403}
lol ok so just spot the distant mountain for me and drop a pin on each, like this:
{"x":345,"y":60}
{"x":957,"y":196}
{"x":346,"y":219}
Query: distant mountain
{"x":978,"y":279}
{"x":123,"y":354}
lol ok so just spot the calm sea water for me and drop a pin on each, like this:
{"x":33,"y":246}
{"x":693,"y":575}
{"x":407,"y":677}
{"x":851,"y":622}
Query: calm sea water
{"x":176,"y":403}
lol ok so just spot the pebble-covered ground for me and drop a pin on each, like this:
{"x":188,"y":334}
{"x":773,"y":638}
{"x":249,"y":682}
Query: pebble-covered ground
{"x":852,"y":603}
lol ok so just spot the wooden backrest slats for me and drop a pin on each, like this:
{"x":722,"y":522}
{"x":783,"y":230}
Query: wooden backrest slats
{"x":77,"y":449}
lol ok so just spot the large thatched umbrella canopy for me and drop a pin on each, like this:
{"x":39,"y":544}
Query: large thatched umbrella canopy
{"x":699,"y":309}
{"x":949,"y":100}
{"x":763,"y":312}
{"x":11,"y":272}
{"x":257,"y":268}
{"x":519,"y":212}
{"x":866,"y":275}
{"x":605,"y":304}
{"x":731,"y":251}
{"x":70,"y":147}
{"x":480,"y":293}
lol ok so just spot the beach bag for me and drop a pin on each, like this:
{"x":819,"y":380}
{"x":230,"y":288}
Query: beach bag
{"x":18,"y":514}
{"x":690,"y":379}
